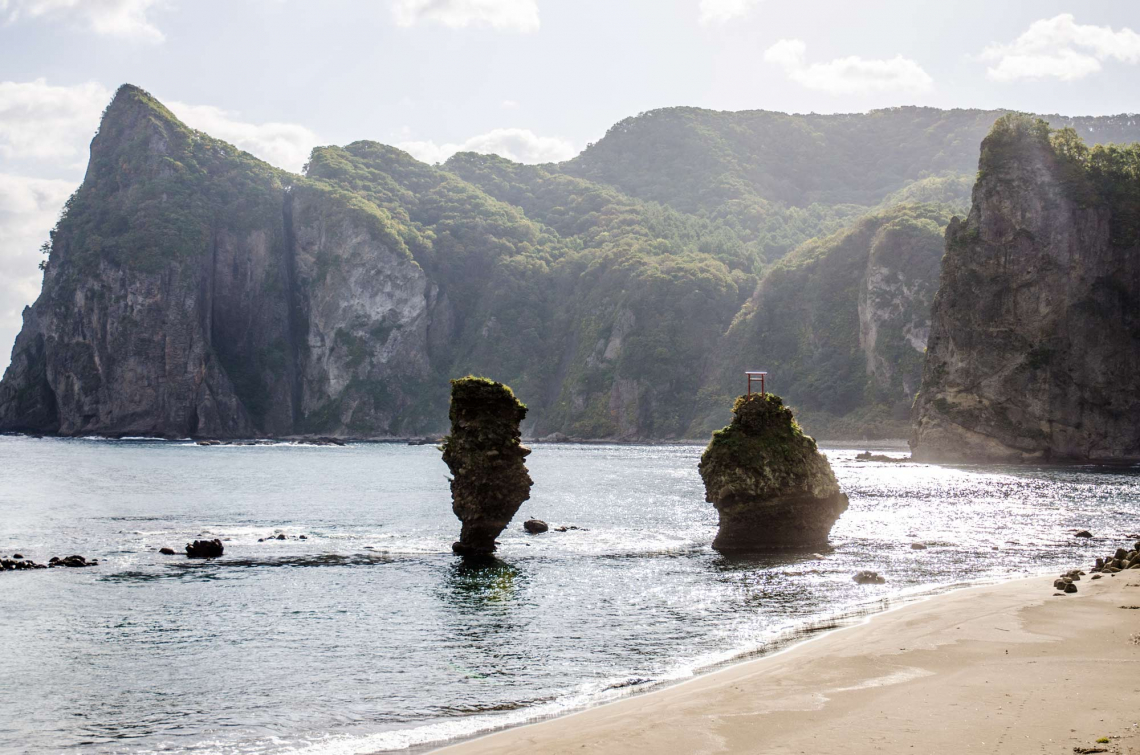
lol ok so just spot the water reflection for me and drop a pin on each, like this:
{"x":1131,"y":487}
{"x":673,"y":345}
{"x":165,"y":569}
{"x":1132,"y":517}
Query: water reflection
{"x":473,"y":583}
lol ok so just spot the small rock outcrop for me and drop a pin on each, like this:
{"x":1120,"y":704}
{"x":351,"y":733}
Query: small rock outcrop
{"x":485,"y":455}
{"x":770,"y":484}
{"x":205,"y":548}
{"x":166,"y":551}
{"x":535,"y":526}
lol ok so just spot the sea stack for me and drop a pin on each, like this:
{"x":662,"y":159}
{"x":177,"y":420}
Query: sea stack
{"x":485,"y":455}
{"x":770,"y":484}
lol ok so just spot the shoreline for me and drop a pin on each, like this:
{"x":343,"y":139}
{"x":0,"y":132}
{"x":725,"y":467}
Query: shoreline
{"x":885,"y":444}
{"x":907,"y":676}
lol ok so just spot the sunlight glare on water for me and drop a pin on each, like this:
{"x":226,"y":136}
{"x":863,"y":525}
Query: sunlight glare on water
{"x":370,"y":635}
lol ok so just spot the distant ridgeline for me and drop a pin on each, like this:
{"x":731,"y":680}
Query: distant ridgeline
{"x":1034,"y":351}
{"x":192,"y":289}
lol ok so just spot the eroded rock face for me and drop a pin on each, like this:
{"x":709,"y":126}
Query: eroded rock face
{"x":1034,"y":351}
{"x":485,"y":456}
{"x":768,"y":481}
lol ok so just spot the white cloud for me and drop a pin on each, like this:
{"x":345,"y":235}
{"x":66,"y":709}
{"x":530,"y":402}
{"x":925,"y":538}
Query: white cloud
{"x":1060,"y":48}
{"x":286,"y":145}
{"x":518,"y":144}
{"x":39,"y":121}
{"x":502,"y":15}
{"x":509,"y":104}
{"x":850,"y":75}
{"x":723,"y":11}
{"x":29,"y":208}
{"x":116,"y":18}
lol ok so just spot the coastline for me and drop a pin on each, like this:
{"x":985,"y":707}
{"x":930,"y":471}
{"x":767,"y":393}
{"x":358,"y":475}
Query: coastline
{"x":998,"y":666}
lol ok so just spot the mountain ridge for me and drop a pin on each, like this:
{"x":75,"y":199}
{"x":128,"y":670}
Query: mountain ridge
{"x":193,"y":290}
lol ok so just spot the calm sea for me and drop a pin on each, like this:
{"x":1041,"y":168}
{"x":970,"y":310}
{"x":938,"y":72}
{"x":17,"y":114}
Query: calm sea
{"x":369,"y":635}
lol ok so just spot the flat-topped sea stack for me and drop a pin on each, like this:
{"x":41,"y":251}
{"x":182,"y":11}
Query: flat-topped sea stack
{"x":485,"y":455}
{"x":770,"y":484}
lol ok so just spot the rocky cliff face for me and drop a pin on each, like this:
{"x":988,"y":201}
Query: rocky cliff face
{"x":1034,"y":351}
{"x":194,"y":291}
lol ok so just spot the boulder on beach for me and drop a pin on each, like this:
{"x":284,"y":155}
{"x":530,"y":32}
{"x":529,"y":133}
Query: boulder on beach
{"x":205,"y":548}
{"x":486,"y":457}
{"x":535,"y":526}
{"x":769,"y":482}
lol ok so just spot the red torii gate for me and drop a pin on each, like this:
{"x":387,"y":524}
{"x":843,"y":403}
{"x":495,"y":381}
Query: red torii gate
{"x":754,"y":375}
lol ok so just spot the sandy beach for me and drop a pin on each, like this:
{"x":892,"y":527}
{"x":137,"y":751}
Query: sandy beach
{"x":1007,"y":668}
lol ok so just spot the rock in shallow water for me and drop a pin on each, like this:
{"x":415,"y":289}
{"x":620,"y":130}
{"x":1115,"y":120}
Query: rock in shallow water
{"x":770,"y":484}
{"x":535,"y":526}
{"x":867,"y":577}
{"x":205,"y":548}
{"x":484,"y":453}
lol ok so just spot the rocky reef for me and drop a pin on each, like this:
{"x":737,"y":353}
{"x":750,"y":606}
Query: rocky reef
{"x":1034,"y":351}
{"x":770,"y":484}
{"x":484,"y":453}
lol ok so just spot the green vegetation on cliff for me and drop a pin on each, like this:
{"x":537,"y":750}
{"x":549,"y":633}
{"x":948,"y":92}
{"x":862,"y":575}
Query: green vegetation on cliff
{"x":840,"y":323}
{"x":155,"y":189}
{"x":621,"y":293}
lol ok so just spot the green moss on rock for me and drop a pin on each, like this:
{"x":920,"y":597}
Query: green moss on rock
{"x":769,"y":482}
{"x":485,"y":455}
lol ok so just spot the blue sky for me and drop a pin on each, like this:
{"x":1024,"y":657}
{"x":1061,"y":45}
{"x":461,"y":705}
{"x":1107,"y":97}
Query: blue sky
{"x":534,"y":80}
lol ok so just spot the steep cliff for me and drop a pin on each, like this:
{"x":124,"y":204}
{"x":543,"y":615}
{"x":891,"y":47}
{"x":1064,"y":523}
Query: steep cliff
{"x":193,"y":290}
{"x":1034,"y":350}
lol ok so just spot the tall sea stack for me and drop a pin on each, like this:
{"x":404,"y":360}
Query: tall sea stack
{"x":485,"y":456}
{"x":770,"y":484}
{"x":1034,"y":351}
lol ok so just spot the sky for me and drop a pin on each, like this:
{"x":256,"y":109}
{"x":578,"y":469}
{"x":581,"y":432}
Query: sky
{"x":532,"y":80}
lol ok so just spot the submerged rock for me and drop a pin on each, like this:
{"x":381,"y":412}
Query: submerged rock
{"x":485,"y":456}
{"x":867,"y":577}
{"x":868,"y":456}
{"x":768,"y":481}
{"x":166,"y":551}
{"x":205,"y":548}
{"x":74,"y":562}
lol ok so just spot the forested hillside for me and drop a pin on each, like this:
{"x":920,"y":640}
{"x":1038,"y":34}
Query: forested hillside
{"x":781,"y":179}
{"x":194,"y":290}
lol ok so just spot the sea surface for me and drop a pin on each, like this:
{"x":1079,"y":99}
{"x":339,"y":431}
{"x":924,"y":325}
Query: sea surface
{"x":369,"y":635}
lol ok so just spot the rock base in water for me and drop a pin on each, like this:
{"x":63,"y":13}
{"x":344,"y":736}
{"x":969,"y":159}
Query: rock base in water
{"x":868,"y":577}
{"x":205,"y":549}
{"x":768,"y":481}
{"x":485,"y":455}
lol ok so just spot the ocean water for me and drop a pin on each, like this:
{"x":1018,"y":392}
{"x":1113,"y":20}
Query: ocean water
{"x":370,"y":636}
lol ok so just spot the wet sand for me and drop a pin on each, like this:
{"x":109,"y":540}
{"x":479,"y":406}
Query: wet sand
{"x":1005,"y":668}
